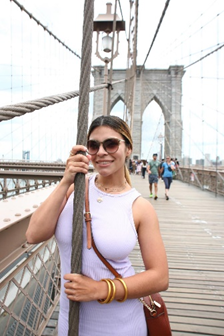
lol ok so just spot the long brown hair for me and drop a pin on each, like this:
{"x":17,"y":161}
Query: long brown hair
{"x":118,"y":125}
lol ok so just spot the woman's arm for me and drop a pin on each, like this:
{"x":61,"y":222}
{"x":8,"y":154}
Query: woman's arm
{"x":148,"y":169}
{"x":43,"y":221}
{"x":156,"y":276}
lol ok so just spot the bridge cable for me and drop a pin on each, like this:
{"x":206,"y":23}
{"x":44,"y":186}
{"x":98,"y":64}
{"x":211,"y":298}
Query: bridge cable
{"x":184,"y":130}
{"x":44,"y":27}
{"x":15,"y":110}
{"x":111,"y":63}
{"x":172,"y":50}
{"x":133,"y":83}
{"x":203,"y":57}
{"x":79,"y":183}
{"x":157,"y":30}
{"x":179,"y":124}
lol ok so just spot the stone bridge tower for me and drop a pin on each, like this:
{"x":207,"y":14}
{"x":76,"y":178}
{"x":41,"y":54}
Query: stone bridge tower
{"x":162,"y":85}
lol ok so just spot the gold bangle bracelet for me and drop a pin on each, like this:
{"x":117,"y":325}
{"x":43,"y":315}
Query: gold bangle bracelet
{"x":113,"y":291}
{"x":109,"y":292}
{"x":125,"y":290}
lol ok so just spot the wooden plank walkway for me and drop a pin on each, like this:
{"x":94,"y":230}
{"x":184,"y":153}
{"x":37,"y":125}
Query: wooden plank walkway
{"x":192,"y":226}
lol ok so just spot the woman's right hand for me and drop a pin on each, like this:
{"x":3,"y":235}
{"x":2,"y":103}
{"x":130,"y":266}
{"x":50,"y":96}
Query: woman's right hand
{"x":76,"y":163}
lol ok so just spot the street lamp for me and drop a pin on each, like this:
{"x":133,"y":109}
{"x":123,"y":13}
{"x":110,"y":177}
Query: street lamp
{"x":107,"y":23}
{"x":160,"y":138}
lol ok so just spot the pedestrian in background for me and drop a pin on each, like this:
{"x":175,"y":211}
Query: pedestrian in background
{"x":168,"y":168}
{"x":144,"y":166}
{"x":133,"y":166}
{"x":161,"y":169}
{"x":139,"y":167}
{"x":153,"y":171}
{"x":130,"y":166}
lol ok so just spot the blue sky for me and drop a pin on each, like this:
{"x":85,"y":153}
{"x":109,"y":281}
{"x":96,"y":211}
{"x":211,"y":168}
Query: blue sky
{"x":33,"y":65}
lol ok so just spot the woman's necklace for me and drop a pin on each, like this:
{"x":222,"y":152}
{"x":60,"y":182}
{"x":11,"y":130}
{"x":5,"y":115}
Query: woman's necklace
{"x":108,"y":190}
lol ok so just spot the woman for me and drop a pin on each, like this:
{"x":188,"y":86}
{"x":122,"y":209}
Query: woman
{"x":120,"y":216}
{"x":144,"y":166}
{"x":167,"y":172}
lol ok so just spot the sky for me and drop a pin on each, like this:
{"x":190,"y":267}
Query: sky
{"x":33,"y":65}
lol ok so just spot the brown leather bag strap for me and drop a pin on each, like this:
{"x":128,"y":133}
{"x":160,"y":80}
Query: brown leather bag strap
{"x":90,"y":239}
{"x":88,"y":215}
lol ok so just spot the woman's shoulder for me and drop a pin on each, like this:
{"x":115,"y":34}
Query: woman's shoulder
{"x":143,"y":211}
{"x":142,"y":204}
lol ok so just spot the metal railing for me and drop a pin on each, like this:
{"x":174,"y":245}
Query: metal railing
{"x":30,"y":290}
{"x":15,"y":186}
{"x":206,"y":179}
{"x":18,"y":177}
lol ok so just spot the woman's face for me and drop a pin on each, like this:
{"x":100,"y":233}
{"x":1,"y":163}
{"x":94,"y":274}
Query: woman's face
{"x":107,"y":164}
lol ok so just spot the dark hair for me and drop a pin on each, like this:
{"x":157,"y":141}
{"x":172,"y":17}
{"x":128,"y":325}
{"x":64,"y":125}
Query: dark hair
{"x":118,"y":125}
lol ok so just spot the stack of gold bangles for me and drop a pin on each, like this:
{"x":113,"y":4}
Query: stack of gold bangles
{"x":112,"y":291}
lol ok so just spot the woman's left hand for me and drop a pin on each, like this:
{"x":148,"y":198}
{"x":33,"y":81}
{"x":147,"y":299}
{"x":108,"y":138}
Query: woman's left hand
{"x":80,"y":287}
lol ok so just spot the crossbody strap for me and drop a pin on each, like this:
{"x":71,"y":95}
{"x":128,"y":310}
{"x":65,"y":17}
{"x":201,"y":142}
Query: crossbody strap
{"x":90,"y":239}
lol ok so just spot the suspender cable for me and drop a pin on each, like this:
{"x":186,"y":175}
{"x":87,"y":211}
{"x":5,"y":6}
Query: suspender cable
{"x":157,"y":30}
{"x":44,"y":27}
{"x":111,"y":64}
{"x":133,"y":82}
{"x":76,"y":257}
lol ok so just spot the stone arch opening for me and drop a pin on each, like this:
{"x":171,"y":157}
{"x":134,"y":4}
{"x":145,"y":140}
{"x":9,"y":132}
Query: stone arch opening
{"x":117,"y":108}
{"x":152,"y":140}
{"x":162,"y":85}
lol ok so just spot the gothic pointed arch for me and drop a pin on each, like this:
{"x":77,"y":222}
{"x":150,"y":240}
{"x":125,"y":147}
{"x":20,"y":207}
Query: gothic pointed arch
{"x":162,"y":85}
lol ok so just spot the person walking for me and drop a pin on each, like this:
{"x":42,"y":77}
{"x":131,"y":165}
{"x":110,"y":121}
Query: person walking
{"x":130,"y":166}
{"x":161,"y":169}
{"x":139,"y":167}
{"x":144,"y":166}
{"x":153,"y":171}
{"x":120,"y":218}
{"x":134,"y":166}
{"x":168,"y":169}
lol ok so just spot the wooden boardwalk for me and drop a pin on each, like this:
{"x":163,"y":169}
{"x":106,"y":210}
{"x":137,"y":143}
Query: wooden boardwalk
{"x":192,"y":226}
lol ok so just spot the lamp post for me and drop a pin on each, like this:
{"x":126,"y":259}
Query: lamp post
{"x":107,"y":23}
{"x":160,"y":138}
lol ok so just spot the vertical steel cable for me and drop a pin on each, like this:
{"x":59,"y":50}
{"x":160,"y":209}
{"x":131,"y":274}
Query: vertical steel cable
{"x":76,"y":257}
{"x":133,"y":83}
{"x":111,"y":63}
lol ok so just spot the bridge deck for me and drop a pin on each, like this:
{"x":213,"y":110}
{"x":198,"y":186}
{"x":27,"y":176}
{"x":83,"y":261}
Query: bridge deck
{"x":193,"y":231}
{"x":192,"y":228}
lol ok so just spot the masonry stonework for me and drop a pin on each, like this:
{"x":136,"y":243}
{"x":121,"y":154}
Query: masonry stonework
{"x":162,"y":85}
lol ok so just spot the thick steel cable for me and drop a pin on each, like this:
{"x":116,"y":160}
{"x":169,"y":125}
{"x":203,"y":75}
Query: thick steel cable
{"x":78,"y":204}
{"x":10,"y":111}
{"x":157,"y":30}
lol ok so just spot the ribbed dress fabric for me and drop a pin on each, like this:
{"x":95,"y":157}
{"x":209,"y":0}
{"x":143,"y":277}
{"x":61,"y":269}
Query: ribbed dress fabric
{"x":115,"y":237}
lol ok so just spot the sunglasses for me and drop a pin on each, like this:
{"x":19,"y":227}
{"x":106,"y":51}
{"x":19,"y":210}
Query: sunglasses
{"x":110,"y":145}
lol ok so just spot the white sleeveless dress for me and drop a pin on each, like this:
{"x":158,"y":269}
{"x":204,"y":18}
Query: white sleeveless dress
{"x":115,"y":237}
